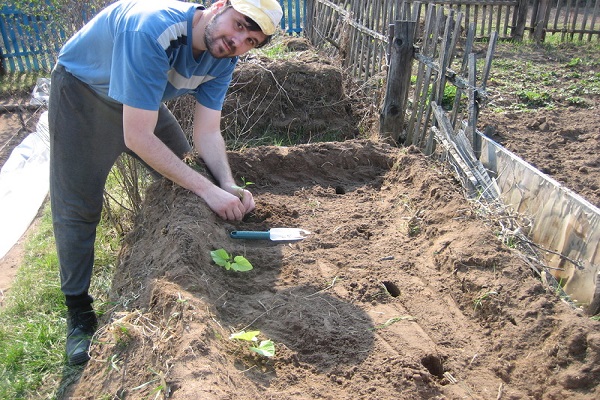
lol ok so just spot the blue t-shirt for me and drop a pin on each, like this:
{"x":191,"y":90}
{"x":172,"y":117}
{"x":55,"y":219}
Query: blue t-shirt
{"x":139,"y":53}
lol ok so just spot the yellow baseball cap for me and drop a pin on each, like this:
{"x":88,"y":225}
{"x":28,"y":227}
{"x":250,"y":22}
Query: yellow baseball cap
{"x":266,"y":13}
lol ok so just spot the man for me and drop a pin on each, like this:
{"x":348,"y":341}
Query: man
{"x":107,"y":95}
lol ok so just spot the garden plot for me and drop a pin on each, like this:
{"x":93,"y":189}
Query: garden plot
{"x":402,"y":291}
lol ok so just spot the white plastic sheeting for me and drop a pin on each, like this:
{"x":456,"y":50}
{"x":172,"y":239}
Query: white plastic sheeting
{"x":24,"y":185}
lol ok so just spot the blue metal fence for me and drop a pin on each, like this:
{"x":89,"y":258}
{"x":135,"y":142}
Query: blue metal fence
{"x":28,"y":43}
{"x":293,"y":15}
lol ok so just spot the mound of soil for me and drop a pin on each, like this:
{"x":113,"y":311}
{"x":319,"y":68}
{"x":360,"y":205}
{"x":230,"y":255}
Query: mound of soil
{"x":301,"y":97}
{"x":402,"y":291}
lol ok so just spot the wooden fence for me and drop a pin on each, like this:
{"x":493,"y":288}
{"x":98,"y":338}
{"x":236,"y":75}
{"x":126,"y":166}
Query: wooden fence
{"x":358,"y":30}
{"x":443,"y":80}
{"x":449,"y":132}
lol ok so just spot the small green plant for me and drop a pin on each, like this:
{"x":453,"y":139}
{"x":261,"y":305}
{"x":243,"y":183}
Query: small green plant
{"x":576,"y":101}
{"x":240,"y":189}
{"x":448,"y":97}
{"x":265,"y":348}
{"x":575,"y":61}
{"x":534,"y":99}
{"x":479,"y":300}
{"x":238,"y":263}
{"x":414,"y":228}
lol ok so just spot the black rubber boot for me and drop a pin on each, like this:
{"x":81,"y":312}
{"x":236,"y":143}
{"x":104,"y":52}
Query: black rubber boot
{"x":81,"y":325}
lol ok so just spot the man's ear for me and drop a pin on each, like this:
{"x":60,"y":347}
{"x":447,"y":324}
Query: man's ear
{"x":218,"y":4}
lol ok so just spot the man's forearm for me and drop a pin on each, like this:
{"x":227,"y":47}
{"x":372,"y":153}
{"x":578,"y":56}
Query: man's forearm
{"x":211,"y":147}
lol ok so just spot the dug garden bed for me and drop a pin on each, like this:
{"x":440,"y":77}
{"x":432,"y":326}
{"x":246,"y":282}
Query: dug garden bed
{"x":401,"y":291}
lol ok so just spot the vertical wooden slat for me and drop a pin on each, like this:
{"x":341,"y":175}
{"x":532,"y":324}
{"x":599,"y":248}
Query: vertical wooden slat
{"x":490,"y":20}
{"x":425,"y":114}
{"x":468,"y":15}
{"x":309,"y":8}
{"x":444,"y":58}
{"x":5,"y":38}
{"x":484,"y":10}
{"x":593,"y":24}
{"x":476,"y":15}
{"x":574,"y":20}
{"x":423,"y":76}
{"x":557,"y":14}
{"x":351,"y":55}
{"x":473,"y":111}
{"x":373,"y":64}
{"x":498,"y":21}
{"x":24,"y":62}
{"x":416,"y":16}
{"x":487,"y":66}
{"x":464,"y":66}
{"x":585,"y":18}
{"x":359,"y":60}
{"x":454,"y":39}
{"x":566,"y":19}
{"x":506,"y":20}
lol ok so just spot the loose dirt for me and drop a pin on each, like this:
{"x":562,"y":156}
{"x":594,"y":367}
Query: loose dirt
{"x":402,"y":291}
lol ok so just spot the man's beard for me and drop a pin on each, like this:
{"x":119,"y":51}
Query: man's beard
{"x":218,"y":47}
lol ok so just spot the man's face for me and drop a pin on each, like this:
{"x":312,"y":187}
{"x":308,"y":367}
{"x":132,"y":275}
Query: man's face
{"x":227,"y":34}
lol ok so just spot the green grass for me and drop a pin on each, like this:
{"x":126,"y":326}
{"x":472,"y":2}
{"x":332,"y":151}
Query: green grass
{"x":15,"y":83}
{"x":32,"y":322}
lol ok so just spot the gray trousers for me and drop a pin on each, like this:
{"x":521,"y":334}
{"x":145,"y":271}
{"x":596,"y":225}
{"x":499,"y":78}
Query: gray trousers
{"x":86,"y":138}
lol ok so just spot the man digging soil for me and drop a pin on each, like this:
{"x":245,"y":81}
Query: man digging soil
{"x":107,"y":95}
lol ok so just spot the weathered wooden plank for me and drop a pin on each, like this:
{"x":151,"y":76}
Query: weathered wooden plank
{"x":484,"y":13}
{"x":490,"y":19}
{"x":431,"y":28}
{"x":584,"y":21}
{"x":412,"y":131}
{"x":392,"y":120}
{"x":473,"y":106}
{"x":593,"y":23}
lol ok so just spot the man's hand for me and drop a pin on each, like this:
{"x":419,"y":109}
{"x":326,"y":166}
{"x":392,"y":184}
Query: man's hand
{"x":229,"y":204}
{"x":244,"y":195}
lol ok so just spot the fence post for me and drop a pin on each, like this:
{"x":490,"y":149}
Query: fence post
{"x":308,"y":18}
{"x":391,"y":120}
{"x":541,"y":21}
{"x":521,"y":19}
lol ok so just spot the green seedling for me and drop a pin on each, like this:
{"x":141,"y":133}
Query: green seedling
{"x":227,"y":261}
{"x":265,"y":348}
{"x":478,"y":302}
{"x":575,"y":61}
{"x":240,"y":189}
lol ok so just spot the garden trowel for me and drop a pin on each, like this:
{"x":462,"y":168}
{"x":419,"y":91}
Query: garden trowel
{"x":272,"y":234}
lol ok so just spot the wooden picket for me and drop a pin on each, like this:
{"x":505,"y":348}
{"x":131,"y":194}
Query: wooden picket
{"x":358,"y":30}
